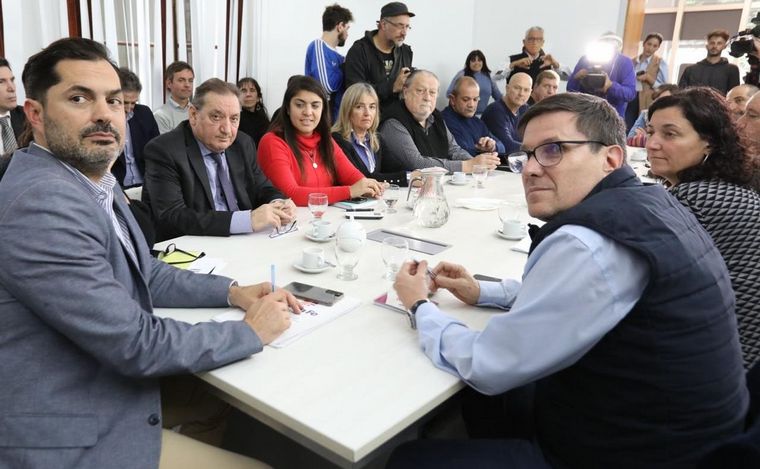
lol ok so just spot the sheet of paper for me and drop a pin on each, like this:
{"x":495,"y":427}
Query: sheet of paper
{"x":207,"y":265}
{"x":312,"y":316}
{"x":523,"y":245}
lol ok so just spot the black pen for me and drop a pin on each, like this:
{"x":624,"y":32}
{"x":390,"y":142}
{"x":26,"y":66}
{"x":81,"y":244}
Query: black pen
{"x":360,"y":210}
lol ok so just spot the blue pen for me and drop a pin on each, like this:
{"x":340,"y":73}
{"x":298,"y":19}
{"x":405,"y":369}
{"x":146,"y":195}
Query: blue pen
{"x":271,"y":275}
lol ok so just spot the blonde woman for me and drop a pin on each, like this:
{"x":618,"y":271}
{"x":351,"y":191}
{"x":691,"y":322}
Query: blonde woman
{"x":355,"y":132}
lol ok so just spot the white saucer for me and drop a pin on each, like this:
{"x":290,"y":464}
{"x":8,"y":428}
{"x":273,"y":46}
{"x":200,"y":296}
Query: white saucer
{"x":308,"y":270}
{"x":501,"y":234}
{"x":458,"y":183}
{"x":311,"y":237}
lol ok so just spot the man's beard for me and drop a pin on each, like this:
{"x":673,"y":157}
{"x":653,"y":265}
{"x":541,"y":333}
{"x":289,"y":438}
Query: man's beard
{"x":92,"y":162}
{"x":342,"y":40}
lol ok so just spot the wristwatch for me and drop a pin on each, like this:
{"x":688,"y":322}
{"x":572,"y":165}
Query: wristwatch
{"x":412,"y":313}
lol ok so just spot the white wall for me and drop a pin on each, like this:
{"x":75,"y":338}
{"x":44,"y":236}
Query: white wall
{"x":276,"y":32}
{"x":443,"y":33}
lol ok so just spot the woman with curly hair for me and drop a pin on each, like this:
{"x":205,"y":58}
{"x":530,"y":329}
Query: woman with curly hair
{"x":475,"y":66}
{"x":693,"y":143}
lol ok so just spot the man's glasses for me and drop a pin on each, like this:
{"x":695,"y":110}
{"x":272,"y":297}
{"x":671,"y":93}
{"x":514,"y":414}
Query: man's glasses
{"x":547,"y":154}
{"x":422,"y":92}
{"x":284,"y":229}
{"x":405,"y":27}
{"x":172,"y":248}
{"x":534,"y":39}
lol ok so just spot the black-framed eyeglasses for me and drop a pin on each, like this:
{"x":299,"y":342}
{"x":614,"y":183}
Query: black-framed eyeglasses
{"x":284,"y":229}
{"x":547,"y":154}
{"x":405,"y":27}
{"x":172,"y":248}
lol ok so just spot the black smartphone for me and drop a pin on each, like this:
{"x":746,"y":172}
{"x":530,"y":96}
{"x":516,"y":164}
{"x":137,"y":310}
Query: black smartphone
{"x":319,"y":295}
{"x":640,"y":72}
{"x":357,"y":200}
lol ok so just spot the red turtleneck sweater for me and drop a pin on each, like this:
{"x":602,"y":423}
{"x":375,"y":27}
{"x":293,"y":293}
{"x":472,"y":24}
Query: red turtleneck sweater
{"x":279,"y":164}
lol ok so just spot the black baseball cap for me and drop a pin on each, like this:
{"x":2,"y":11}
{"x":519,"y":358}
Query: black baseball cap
{"x":395,"y":9}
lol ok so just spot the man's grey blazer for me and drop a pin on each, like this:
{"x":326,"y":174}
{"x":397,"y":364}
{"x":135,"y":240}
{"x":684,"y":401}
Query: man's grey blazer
{"x":80,"y":350}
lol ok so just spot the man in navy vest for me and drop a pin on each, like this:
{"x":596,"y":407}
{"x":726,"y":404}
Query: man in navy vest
{"x":624,"y":320}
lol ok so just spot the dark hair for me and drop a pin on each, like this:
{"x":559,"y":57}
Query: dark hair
{"x":4,"y":62}
{"x":707,"y":111}
{"x":260,"y":105}
{"x":39,"y":72}
{"x":719,"y":32}
{"x":129,"y":80}
{"x":213,"y":85}
{"x":283,"y":127}
{"x":334,"y":15}
{"x":657,"y":36}
{"x":176,"y":67}
{"x":669,"y":87}
{"x":470,"y":57}
{"x":594,"y":117}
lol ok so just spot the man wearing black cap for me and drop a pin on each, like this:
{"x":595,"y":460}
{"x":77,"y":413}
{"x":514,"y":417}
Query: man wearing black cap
{"x":381,"y":58}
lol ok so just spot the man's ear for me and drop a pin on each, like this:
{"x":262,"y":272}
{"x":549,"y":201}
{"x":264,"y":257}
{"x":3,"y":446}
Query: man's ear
{"x":614,"y":158}
{"x":34,"y":113}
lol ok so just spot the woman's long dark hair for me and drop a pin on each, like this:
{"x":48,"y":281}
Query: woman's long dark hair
{"x":476,"y":53}
{"x":283,"y":127}
{"x":707,"y":112}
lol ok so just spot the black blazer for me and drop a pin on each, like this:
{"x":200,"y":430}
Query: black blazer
{"x":398,"y":177}
{"x":142,"y":129}
{"x":177,"y":186}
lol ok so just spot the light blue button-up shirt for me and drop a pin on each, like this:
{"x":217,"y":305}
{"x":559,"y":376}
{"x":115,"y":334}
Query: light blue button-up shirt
{"x":577,"y":285}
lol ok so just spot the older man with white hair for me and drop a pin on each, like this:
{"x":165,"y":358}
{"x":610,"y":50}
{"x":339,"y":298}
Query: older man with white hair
{"x":415,"y":134}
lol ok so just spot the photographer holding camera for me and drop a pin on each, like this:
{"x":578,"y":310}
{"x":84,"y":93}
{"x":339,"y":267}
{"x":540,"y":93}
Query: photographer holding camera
{"x":747,"y":43}
{"x":606,"y":73}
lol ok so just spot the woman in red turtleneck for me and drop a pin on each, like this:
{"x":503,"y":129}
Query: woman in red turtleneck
{"x":299,"y":155}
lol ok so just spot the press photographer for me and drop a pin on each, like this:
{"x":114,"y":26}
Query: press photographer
{"x":747,"y":43}
{"x":605,"y":72}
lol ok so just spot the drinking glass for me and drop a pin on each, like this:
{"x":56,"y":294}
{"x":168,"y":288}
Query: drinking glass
{"x":347,"y":253}
{"x":479,"y":174}
{"x":394,"y":251}
{"x":317,"y":204}
{"x":391,"y":195}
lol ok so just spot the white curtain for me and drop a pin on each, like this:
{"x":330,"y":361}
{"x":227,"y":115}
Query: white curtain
{"x":208,"y":28}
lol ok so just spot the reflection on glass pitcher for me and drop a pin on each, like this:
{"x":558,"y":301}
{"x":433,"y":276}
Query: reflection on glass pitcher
{"x":430,"y":207}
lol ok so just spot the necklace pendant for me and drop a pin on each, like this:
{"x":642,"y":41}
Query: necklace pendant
{"x":314,"y":164}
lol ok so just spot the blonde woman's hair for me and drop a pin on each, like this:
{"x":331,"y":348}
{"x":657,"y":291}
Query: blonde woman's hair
{"x":350,"y":98}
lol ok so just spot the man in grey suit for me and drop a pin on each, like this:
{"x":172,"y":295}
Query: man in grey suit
{"x":81,"y":350}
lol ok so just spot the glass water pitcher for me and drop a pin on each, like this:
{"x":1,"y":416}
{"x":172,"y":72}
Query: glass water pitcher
{"x":431,"y":208}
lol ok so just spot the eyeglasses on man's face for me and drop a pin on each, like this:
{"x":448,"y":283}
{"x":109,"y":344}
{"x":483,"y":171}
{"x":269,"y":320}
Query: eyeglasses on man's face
{"x":423,"y":91}
{"x":402,"y":26}
{"x":284,"y":229}
{"x":547,"y":154}
{"x":534,"y":39}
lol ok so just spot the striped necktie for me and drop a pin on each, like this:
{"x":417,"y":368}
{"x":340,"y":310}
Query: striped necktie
{"x":9,"y":140}
{"x":224,"y":181}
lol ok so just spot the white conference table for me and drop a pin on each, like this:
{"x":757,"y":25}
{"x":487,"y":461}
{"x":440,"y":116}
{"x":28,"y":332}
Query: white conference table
{"x":352,"y":385}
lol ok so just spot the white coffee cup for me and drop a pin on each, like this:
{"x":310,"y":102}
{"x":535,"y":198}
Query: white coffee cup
{"x":313,"y":258}
{"x":321,"y":229}
{"x":512,"y":228}
{"x":458,"y":177}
